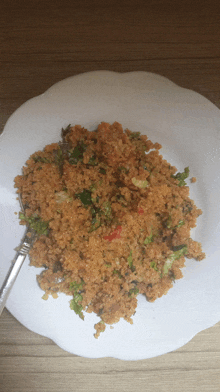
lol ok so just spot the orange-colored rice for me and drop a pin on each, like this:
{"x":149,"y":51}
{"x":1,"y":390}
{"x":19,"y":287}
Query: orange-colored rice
{"x":114,"y":262}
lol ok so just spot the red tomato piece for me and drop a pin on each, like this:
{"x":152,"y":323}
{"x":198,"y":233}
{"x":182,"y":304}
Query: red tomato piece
{"x":115,"y":234}
{"x":140,"y":211}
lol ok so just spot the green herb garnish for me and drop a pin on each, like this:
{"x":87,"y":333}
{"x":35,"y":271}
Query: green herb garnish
{"x":169,"y":222}
{"x":107,"y":210}
{"x":77,"y":297}
{"x":41,"y":159}
{"x":66,"y":130}
{"x":59,"y":160}
{"x":149,"y":239}
{"x":130,"y":261}
{"x":36,"y":223}
{"x":179,"y":251}
{"x":92,"y":161}
{"x":102,"y":170}
{"x":76,"y":286}
{"x":181,"y":223}
{"x":96,"y":221}
{"x":134,"y":135}
{"x":187,"y":207}
{"x":93,"y":187}
{"x":58,"y":156}
{"x":85,"y":197}
{"x":182,"y":176}
{"x":74,"y":305}
{"x":76,"y":155}
{"x":153,"y":265}
{"x":118,"y":273}
{"x":134,"y":291}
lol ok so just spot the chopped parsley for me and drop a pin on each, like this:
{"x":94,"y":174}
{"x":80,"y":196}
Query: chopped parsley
{"x":77,"y":297}
{"x":117,"y":273}
{"x":178,"y":252}
{"x":187,"y":207}
{"x":76,"y":286}
{"x":59,"y":159}
{"x":107,"y":210}
{"x":134,"y":291}
{"x":92,"y":161}
{"x":168,"y":223}
{"x":181,"y":223}
{"x":134,"y":135}
{"x":66,"y":130}
{"x":74,"y":305}
{"x":153,"y":265}
{"x":41,"y":159}
{"x":36,"y":223}
{"x":149,"y":239}
{"x":93,"y":187}
{"x":182,"y":176}
{"x":99,"y":215}
{"x":96,"y":221}
{"x":102,"y":170}
{"x":76,"y":155}
{"x":130,"y":260}
{"x":85,"y":197}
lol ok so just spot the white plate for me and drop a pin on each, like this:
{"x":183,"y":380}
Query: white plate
{"x":187,"y":125}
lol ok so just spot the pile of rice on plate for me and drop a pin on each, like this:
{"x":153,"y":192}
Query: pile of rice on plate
{"x":112,"y":217}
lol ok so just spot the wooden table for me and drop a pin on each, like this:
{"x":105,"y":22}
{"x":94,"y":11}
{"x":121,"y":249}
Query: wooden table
{"x":44,"y":42}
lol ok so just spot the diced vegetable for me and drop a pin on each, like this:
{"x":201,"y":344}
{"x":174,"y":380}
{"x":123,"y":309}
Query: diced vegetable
{"x":115,"y":234}
{"x":62,"y":196}
{"x":140,"y":211}
{"x":140,"y":183}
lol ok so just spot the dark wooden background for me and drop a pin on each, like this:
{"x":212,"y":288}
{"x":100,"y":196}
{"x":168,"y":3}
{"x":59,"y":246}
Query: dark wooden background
{"x":42,"y":42}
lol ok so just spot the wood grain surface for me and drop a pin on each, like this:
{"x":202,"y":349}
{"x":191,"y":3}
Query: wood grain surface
{"x":43,"y":42}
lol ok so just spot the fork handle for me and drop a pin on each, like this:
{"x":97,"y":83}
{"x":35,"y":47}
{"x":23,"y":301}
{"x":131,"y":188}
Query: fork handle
{"x":10,"y":278}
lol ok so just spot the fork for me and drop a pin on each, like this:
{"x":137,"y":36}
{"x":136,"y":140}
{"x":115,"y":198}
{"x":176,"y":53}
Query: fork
{"x":16,"y":264}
